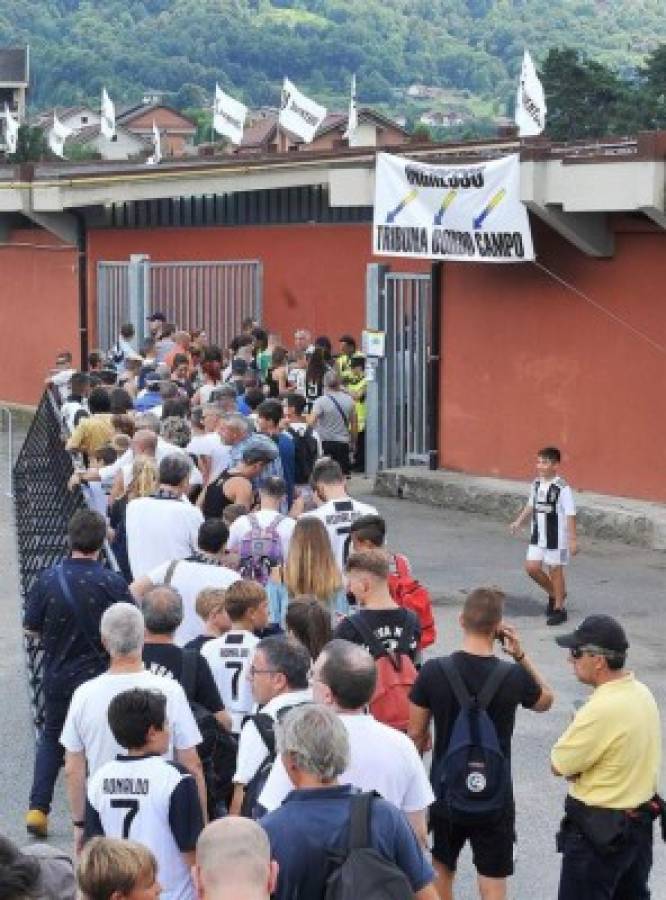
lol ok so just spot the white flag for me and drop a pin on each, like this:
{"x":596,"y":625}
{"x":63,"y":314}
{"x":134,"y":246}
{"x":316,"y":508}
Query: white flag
{"x":352,"y":121}
{"x":58,"y":135}
{"x":11,"y":131}
{"x":228,"y":116}
{"x":107,"y":126}
{"x":530,"y":101}
{"x":299,"y":114}
{"x":157,"y":148}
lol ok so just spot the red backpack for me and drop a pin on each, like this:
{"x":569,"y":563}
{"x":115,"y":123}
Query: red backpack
{"x":396,"y":674}
{"x":410,"y":594}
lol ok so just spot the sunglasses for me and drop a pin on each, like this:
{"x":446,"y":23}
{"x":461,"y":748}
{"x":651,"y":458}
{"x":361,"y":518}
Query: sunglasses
{"x":578,"y":652}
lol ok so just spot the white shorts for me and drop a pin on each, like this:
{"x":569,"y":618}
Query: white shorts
{"x":548,"y":557}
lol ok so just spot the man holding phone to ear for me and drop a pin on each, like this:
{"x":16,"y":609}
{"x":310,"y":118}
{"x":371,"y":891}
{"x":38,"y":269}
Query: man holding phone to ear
{"x":434,"y":695}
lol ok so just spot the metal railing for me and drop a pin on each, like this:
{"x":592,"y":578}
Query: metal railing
{"x":43,"y":506}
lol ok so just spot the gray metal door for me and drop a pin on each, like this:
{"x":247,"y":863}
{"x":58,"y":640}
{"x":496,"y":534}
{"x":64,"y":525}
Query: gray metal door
{"x":215,"y":296}
{"x":399,"y":430}
{"x":113,"y":301}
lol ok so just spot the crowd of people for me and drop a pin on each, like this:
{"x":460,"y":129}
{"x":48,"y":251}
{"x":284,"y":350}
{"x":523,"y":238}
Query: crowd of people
{"x":235,"y":675}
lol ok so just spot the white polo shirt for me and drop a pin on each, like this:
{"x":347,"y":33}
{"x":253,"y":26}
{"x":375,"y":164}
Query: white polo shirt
{"x":87,"y":730}
{"x":381,"y":759}
{"x":160,"y":529}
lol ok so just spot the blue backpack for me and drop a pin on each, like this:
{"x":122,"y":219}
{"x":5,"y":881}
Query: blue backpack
{"x":473,"y":780}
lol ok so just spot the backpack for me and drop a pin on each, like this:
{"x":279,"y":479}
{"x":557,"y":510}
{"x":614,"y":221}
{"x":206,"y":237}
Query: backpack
{"x":218,"y":749}
{"x":396,"y":674}
{"x":306,"y":453}
{"x":260,"y":550}
{"x":410,"y":594}
{"x":265,"y":725}
{"x":473,"y":780}
{"x":363,"y":872}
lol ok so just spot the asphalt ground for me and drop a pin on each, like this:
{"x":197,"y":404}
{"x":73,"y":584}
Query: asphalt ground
{"x":452,"y":553}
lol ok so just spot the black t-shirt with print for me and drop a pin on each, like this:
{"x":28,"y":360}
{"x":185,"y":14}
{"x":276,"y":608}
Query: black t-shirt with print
{"x":167,"y":660}
{"x":432,"y":691}
{"x":386,"y":624}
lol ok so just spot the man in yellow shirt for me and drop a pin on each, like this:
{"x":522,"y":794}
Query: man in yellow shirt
{"x":611,"y":756}
{"x":96,"y":429}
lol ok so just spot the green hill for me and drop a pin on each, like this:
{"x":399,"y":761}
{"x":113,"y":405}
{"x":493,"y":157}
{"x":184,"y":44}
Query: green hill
{"x":185,"y":46}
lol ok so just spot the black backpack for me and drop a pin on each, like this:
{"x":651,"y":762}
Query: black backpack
{"x":218,"y":749}
{"x":265,"y":725}
{"x":363,"y":872}
{"x":473,"y":780}
{"x":306,"y":453}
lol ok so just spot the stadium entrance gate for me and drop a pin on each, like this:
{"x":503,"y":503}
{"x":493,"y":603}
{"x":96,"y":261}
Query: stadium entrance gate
{"x":215,"y":296}
{"x":403,"y":384}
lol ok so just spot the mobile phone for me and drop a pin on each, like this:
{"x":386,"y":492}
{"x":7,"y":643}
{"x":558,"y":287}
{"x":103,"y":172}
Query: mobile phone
{"x":499,"y":636}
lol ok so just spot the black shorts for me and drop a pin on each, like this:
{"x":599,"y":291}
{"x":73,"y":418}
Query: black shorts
{"x":492,"y":845}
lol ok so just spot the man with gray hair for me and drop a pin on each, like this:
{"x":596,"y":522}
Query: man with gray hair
{"x":164,"y":526}
{"x":312,"y":825}
{"x":334,"y":417}
{"x":233,"y":862}
{"x":86,"y":735}
{"x":162,"y":608}
{"x":382,"y":759}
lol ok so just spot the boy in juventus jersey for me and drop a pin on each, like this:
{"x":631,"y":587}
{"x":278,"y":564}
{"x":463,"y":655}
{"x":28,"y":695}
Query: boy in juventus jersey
{"x":230,"y":656}
{"x":553,"y":536}
{"x":143,"y":797}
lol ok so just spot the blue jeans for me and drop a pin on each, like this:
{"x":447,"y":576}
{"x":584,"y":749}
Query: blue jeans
{"x":50,"y":753}
{"x":624,"y":875}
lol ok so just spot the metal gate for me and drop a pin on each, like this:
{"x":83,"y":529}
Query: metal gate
{"x":399,"y":430}
{"x":215,"y":296}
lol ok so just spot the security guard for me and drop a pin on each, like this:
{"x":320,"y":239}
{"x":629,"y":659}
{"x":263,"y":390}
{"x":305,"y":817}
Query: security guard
{"x":611,"y":756}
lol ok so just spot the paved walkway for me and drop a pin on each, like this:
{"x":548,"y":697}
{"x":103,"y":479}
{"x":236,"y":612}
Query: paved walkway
{"x":452,"y":552}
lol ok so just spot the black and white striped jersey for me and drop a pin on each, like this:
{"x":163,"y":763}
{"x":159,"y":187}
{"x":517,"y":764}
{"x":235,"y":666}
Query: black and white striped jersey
{"x":551,"y":501}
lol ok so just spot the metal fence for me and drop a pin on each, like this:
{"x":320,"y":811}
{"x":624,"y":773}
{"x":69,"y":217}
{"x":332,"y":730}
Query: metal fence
{"x":399,"y":429}
{"x":43,"y":506}
{"x":215,"y":296}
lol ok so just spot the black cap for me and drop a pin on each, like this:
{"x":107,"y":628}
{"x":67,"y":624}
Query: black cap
{"x":347,"y":339}
{"x":597,"y":631}
{"x":157,"y":317}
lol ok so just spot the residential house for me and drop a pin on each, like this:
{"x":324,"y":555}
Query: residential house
{"x":440,"y":119}
{"x":177,"y":131}
{"x":74,"y":117}
{"x":123,"y":145}
{"x":374,"y":130}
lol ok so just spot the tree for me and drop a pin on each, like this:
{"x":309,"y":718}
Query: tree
{"x":584,"y":98}
{"x":30,"y":145}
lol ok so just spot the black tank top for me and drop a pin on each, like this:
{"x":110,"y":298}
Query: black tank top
{"x":216,"y":501}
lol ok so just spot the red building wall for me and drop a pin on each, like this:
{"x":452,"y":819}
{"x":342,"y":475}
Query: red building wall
{"x":527,"y":363}
{"x":314,"y":275}
{"x":39,"y":303}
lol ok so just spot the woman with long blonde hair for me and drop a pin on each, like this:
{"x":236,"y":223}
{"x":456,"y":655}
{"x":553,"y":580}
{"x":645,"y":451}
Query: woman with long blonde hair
{"x":144,"y":482}
{"x":310,"y":570}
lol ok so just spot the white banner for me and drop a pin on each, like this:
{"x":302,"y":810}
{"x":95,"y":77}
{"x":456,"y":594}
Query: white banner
{"x":156,"y":158}
{"x":352,"y":119}
{"x":471,"y":212}
{"x":299,"y":114}
{"x":107,"y":126}
{"x":57,"y":136}
{"x":229,"y":116}
{"x":11,"y":131}
{"x":530,"y":101}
